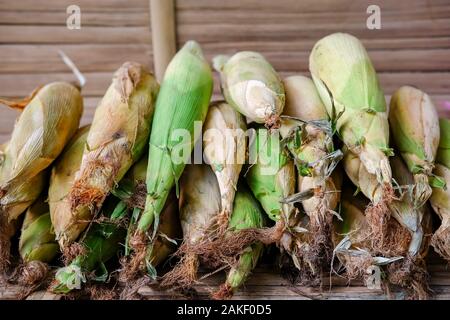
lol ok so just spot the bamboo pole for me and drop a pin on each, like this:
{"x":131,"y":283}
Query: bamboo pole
{"x":162,"y":16}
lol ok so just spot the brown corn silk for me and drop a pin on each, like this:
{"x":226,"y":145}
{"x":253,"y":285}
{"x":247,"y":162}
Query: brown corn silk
{"x":46,"y":124}
{"x":117,"y":138}
{"x":67,"y":224}
{"x":440,"y":199}
{"x":349,"y":88}
{"x":312,"y":154}
{"x":200,"y":205}
{"x":351,"y":241}
{"x":415,"y":131}
{"x":224,"y":145}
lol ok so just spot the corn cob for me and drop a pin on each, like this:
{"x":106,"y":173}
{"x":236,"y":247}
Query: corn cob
{"x":348,"y":85}
{"x":37,"y":245}
{"x":224,"y":145}
{"x":415,"y":128}
{"x":440,"y":199}
{"x":184,"y":98}
{"x":46,"y":124}
{"x":247,"y":213}
{"x":251,"y":85}
{"x":66,"y":224}
{"x":117,"y":138}
{"x":200,"y":204}
{"x":307,"y":134}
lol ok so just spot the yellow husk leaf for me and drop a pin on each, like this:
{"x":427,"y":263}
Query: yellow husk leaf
{"x":67,"y":224}
{"x":40,"y":134}
{"x":117,"y":138}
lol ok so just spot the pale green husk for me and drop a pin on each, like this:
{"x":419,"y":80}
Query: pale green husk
{"x":183,"y":99}
{"x":251,"y":85}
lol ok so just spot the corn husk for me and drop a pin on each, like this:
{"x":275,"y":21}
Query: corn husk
{"x":42,"y":130}
{"x":48,"y":121}
{"x":200,"y":205}
{"x":101,"y":242}
{"x":440,"y":199}
{"x":415,"y":132}
{"x":67,"y":224}
{"x":117,"y":138}
{"x":37,"y":244}
{"x":349,"y":87}
{"x":247,"y":213}
{"x":224,"y":145}
{"x":183,"y":100}
{"x":132,"y":192}
{"x":251,"y":85}
{"x":351,"y":244}
{"x":403,"y":236}
{"x":307,"y":133}
{"x":271,"y":174}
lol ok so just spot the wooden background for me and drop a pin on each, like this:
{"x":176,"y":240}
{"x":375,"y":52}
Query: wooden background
{"x":412,"y":47}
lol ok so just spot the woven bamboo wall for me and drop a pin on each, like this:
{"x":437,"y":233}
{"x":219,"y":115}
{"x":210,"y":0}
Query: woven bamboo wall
{"x":412,"y":47}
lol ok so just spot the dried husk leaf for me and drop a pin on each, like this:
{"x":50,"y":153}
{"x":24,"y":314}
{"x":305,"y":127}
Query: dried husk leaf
{"x":251,"y":85}
{"x":67,"y":224}
{"x":415,"y":127}
{"x":224,"y":145}
{"x":440,"y":199}
{"x":349,"y":87}
{"x":117,"y":137}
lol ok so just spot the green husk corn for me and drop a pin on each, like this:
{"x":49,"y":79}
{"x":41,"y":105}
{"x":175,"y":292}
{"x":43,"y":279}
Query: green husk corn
{"x":200,"y":205}
{"x":415,"y":132}
{"x":307,"y":133}
{"x":101,"y":242}
{"x":37,"y":244}
{"x":251,"y":85}
{"x":67,"y":224}
{"x":440,"y":199}
{"x":117,"y":137}
{"x":247,"y":213}
{"x":349,"y":87}
{"x":183,"y":100}
{"x":271,"y":174}
{"x":42,"y":130}
{"x":224,"y":145}
{"x":37,"y":239}
{"x":132,"y":192}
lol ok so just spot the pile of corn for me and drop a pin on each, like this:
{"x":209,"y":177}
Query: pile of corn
{"x":320,"y":168}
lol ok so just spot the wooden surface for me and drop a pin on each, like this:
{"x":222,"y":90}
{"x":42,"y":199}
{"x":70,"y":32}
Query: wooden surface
{"x":267,"y":283}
